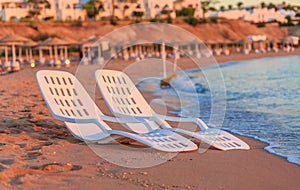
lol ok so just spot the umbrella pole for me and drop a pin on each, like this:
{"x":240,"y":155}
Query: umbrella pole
{"x":197,"y":50}
{"x":89,"y":54}
{"x":51,"y":53}
{"x":27,"y":58}
{"x":6,"y":55}
{"x":141,"y":52}
{"x":83,"y":51}
{"x":131,"y":50}
{"x":55,"y":53}
{"x":61,"y":53}
{"x":13,"y":54}
{"x":66,"y":52}
{"x":163,"y":54}
{"x":20,"y":53}
{"x":175,"y":59}
{"x":30,"y":53}
{"x":99,"y":53}
{"x":41,"y":54}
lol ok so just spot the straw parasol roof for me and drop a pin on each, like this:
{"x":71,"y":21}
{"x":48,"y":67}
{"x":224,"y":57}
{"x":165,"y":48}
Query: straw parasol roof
{"x":211,"y":41}
{"x":274,"y":39}
{"x":227,"y":41}
{"x":14,"y":38}
{"x":53,"y":42}
{"x":89,"y":41}
{"x":70,"y":41}
{"x":238,"y":41}
{"x":29,"y":43}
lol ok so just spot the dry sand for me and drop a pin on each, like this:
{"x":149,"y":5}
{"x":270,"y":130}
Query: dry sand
{"x":38,"y":152}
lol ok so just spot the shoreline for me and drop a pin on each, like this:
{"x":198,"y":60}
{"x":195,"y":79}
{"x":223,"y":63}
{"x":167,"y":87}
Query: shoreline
{"x":267,"y":147}
{"x":228,"y":59}
{"x":237,"y":57}
{"x":39,"y":152}
{"x":223,"y":59}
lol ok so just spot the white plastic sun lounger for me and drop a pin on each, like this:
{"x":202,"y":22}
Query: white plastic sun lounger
{"x":68,"y":101}
{"x":125,"y":101}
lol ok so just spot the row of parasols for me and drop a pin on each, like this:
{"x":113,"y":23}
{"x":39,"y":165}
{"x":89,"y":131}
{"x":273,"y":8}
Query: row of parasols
{"x":19,"y":43}
{"x":57,"y":48}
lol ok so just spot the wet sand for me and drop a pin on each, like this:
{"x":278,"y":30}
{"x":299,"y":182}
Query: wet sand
{"x":38,"y":152}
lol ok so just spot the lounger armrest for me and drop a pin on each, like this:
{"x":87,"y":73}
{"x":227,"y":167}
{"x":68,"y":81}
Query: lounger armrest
{"x":119,"y":120}
{"x":197,"y":121}
{"x":73,"y":119}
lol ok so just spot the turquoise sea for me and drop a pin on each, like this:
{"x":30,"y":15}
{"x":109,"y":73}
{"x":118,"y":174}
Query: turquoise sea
{"x":262,"y":100}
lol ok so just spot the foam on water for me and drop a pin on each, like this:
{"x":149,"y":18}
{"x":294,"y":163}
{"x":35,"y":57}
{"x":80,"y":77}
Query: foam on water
{"x":263,"y":101}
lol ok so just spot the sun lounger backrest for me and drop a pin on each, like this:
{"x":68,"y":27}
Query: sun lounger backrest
{"x":66,"y":97}
{"x":121,"y":94}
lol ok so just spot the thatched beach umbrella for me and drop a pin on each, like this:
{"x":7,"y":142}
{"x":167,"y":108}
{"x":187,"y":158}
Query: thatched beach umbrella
{"x":12,"y":40}
{"x":53,"y":42}
{"x":28,"y":45}
{"x":238,"y":41}
{"x":211,"y":43}
{"x":227,"y":42}
{"x":86,"y":45}
{"x":69,"y":42}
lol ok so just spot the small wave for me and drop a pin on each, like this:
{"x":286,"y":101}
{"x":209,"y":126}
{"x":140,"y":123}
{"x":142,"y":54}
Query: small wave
{"x":184,"y":83}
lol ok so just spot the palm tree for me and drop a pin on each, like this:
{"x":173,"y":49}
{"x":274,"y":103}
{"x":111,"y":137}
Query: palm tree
{"x":240,"y":4}
{"x":36,"y":7}
{"x":283,"y":3}
{"x":206,"y":5}
{"x":113,"y":9}
{"x":222,"y":8}
{"x":93,"y":7}
{"x":272,"y":6}
{"x":124,"y":10}
{"x":138,"y":15}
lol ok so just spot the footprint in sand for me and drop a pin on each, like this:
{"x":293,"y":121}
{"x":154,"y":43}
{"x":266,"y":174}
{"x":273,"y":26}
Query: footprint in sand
{"x":15,"y":94}
{"x":2,"y":144}
{"x":39,"y":147}
{"x":25,"y":110}
{"x":36,"y":148}
{"x":7,"y":162}
{"x":48,"y":143}
{"x":57,"y":167}
{"x":22,"y":145}
{"x":31,"y":155}
{"x":2,"y":168}
{"x":16,"y":180}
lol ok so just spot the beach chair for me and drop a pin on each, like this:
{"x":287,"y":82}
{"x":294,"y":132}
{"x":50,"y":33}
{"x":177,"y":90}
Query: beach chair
{"x":68,"y":101}
{"x":125,"y":101}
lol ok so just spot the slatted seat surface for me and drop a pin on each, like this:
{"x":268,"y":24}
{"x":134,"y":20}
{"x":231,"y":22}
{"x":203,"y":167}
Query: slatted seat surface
{"x":165,"y":140}
{"x":222,"y":139}
{"x":121,"y":94}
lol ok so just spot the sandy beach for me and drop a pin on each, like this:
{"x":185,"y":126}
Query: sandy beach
{"x":38,"y":152}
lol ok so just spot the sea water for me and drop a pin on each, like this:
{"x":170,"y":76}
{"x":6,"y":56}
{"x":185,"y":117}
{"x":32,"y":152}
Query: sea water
{"x":262,"y":100}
